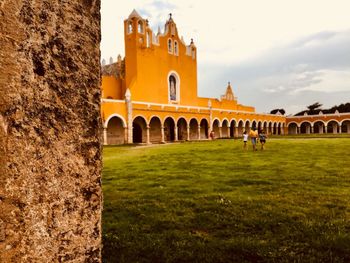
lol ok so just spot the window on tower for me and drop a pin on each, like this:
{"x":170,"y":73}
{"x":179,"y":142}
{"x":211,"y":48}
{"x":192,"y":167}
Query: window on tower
{"x":140,"y":27}
{"x":176,"y":48}
{"x":129,"y":27}
{"x":170,"y":46}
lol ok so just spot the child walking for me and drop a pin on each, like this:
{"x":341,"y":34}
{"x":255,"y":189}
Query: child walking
{"x":245,"y":140}
{"x":262,"y":138}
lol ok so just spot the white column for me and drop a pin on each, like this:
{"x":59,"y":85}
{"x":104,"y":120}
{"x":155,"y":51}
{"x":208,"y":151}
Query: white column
{"x":129,"y":113}
{"x":176,"y":134}
{"x":126,"y":130}
{"x":105,"y":142}
{"x":162,"y":134}
{"x":320,"y":128}
{"x":199,"y":132}
{"x":188,"y":132}
{"x":148,"y":139}
{"x":312,"y":129}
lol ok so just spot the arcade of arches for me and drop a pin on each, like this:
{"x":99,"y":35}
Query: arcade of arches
{"x":169,"y":129}
{"x":319,"y":124}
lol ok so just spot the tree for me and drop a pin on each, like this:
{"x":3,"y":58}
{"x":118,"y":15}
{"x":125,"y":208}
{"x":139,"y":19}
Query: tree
{"x":315,"y":106}
{"x":282,"y":111}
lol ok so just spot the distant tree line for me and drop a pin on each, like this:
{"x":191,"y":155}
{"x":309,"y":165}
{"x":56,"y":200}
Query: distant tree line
{"x":314,"y":109}
{"x":275,"y":111}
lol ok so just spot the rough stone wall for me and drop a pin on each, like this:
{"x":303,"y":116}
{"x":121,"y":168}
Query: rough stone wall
{"x":50,"y":150}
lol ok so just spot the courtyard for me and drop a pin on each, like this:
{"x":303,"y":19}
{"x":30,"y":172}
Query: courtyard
{"x":213,"y":202}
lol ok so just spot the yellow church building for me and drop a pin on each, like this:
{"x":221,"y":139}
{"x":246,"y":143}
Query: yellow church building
{"x":150,"y":96}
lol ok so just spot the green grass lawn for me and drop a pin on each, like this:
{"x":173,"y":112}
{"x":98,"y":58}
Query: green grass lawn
{"x":214,"y":202}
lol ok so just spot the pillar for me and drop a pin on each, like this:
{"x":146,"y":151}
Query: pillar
{"x":307,"y":128}
{"x":162,"y":134}
{"x":126,"y":130}
{"x":176,"y":134}
{"x":282,"y":130}
{"x":188,"y":132}
{"x":199,"y":132}
{"x":129,"y":115}
{"x":220,"y":132}
{"x":236,"y":132}
{"x":105,"y":142}
{"x":50,"y":131}
{"x":228,"y":132}
{"x":148,"y":138}
{"x":312,"y":129}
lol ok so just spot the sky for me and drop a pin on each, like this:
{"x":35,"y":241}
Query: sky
{"x":276,"y":53}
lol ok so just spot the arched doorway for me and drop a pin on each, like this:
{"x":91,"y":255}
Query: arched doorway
{"x":319,"y":127}
{"x":155,"y":131}
{"x":265,"y":127}
{"x":115,"y":131}
{"x":345,"y":126}
{"x":247,"y":126}
{"x":169,"y":130}
{"x":292,"y":128}
{"x":332,"y":127}
{"x":194,"y":129}
{"x":254,"y":125}
{"x":224,"y":129}
{"x":232,"y":128}
{"x":215,"y":128}
{"x":204,"y":129}
{"x":274,"y":132}
{"x":240,"y":128}
{"x":139,"y":134}
{"x":182,"y":129}
{"x":259,"y":126}
{"x":279,"y":128}
{"x":305,"y":127}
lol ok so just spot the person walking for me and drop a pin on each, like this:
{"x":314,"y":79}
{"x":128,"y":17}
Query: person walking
{"x":262,"y":138}
{"x":245,"y":140}
{"x":253,"y":134}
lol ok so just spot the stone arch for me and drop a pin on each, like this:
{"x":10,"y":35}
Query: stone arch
{"x":253,"y":124}
{"x":194,"y":129}
{"x":114,"y":115}
{"x":274,"y":132}
{"x":182,"y":129}
{"x":265,"y":127}
{"x":345,"y":126}
{"x":292,"y":128}
{"x":155,"y":129}
{"x":115,"y":130}
{"x":233,"y":128}
{"x":204,"y":128}
{"x":319,"y":127}
{"x":305,"y":127}
{"x":225,"y":128}
{"x":247,"y":126}
{"x":260,"y":125}
{"x":332,"y":126}
{"x":215,"y":127}
{"x":240,"y":127}
{"x":169,"y":129}
{"x":139,"y":130}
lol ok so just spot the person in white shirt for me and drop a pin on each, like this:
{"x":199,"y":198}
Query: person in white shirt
{"x":245,"y":140}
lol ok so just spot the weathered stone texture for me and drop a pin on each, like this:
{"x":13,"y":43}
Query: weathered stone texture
{"x":50,"y":153}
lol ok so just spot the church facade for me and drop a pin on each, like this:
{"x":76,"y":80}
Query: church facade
{"x":150,"y":96}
